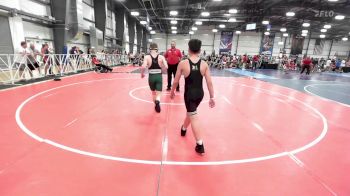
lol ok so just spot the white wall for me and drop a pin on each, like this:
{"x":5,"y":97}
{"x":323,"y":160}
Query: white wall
{"x":32,"y":30}
{"x":35,"y":8}
{"x":28,"y":6}
{"x":89,"y":15}
{"x":17,"y":31}
{"x":11,"y":3}
{"x":248,"y":43}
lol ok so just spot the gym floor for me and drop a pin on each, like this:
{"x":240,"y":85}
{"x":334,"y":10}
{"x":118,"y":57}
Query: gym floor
{"x":271,"y":133}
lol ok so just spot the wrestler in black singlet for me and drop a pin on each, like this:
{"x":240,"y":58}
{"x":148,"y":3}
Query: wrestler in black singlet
{"x":155,"y":75}
{"x":193,"y":87}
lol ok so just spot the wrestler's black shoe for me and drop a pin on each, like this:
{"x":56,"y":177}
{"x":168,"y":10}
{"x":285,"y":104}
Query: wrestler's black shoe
{"x":183,"y":132}
{"x":168,"y":89}
{"x":157,"y":107}
{"x":200,"y":149}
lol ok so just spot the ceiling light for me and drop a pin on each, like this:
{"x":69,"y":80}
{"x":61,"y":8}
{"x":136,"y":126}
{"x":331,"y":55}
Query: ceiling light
{"x":143,"y":22}
{"x":238,"y":32}
{"x":150,"y":28}
{"x":173,"y":28}
{"x":265,"y":22}
{"x":194,"y":28}
{"x":215,"y":30}
{"x":205,"y":14}
{"x":304,"y":34}
{"x":232,"y":20}
{"x":217,"y":0}
{"x":290,"y":14}
{"x":327,"y":26}
{"x":173,"y":22}
{"x":306,"y":24}
{"x":222,"y":26}
{"x":173,"y":32}
{"x":323,"y":30}
{"x":173,"y":13}
{"x":227,"y":14}
{"x":304,"y":31}
{"x":191,"y":32}
{"x":322,"y":36}
{"x":345,"y":39}
{"x":233,"y":11}
{"x":280,"y":43}
{"x":152,"y":32}
{"x":267,"y":33}
{"x":150,"y":40}
{"x":268,"y":29}
{"x":135,"y":13}
{"x":332,"y":0}
{"x":199,"y":23}
{"x":285,"y":34}
{"x":283,"y":29}
{"x":339,"y":17}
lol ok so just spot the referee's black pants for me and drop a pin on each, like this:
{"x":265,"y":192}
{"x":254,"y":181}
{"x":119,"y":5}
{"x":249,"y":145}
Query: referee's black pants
{"x":172,"y":72}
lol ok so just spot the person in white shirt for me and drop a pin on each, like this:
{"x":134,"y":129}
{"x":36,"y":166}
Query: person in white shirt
{"x":20,"y":58}
{"x":327,"y":67}
{"x":342,"y":63}
{"x":32,"y":58}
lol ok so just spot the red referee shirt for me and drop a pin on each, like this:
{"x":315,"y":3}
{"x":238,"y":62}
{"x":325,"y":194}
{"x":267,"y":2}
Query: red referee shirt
{"x":173,"y":56}
{"x":307,"y":61}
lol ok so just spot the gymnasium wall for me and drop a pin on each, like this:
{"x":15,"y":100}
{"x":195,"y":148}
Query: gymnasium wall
{"x":250,"y":43}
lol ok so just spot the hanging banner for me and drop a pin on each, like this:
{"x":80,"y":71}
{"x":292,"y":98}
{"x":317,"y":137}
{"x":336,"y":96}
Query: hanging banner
{"x":297,"y":45}
{"x":267,"y":45}
{"x":319,"y":45}
{"x":226,"y":42}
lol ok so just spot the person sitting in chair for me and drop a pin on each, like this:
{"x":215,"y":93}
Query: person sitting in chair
{"x":99,"y":66}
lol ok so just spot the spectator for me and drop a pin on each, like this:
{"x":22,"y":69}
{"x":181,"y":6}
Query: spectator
{"x":79,"y":51}
{"x":21,"y":58}
{"x":255,"y":61}
{"x":348,"y":63}
{"x":244,"y":61}
{"x":32,"y":58}
{"x":103,"y":68}
{"x":306,"y":65}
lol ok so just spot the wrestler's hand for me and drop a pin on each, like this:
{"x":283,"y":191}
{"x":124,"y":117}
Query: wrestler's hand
{"x":142,"y":75}
{"x":212,"y":102}
{"x":172,"y":94}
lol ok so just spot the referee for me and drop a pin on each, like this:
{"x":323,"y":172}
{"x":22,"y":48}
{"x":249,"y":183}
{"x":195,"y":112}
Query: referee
{"x":173,"y":57}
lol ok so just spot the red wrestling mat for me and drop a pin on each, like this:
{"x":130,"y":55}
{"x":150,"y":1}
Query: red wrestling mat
{"x":98,"y":134}
{"x":125,"y":69}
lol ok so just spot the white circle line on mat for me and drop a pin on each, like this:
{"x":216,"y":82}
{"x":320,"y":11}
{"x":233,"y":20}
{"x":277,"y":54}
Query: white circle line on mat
{"x":150,"y":162}
{"x":307,"y":87}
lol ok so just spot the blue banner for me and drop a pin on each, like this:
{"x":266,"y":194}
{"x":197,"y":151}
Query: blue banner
{"x":267,"y":45}
{"x":226,"y":42}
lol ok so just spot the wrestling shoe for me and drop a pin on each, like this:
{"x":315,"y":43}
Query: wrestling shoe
{"x":157,"y":107}
{"x":200,"y":149}
{"x":183,"y":132}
